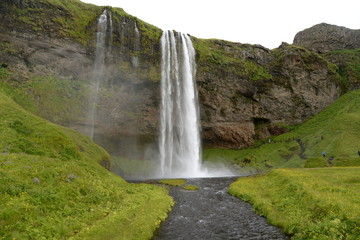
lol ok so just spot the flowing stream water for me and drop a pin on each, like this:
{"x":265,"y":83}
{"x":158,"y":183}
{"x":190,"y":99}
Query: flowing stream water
{"x":211,"y":213}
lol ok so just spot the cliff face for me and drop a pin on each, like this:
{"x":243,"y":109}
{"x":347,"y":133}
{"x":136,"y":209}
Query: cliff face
{"x":325,"y":37}
{"x":245,"y":91}
{"x":338,"y":45}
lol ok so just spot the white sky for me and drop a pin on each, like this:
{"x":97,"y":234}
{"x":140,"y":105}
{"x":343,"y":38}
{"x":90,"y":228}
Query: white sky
{"x":265,"y":22}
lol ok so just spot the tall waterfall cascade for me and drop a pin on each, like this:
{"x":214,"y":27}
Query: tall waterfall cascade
{"x":104,"y":22}
{"x":179,"y":143}
{"x":135,"y":59}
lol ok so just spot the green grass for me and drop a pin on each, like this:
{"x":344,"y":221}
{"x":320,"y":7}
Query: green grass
{"x":56,"y":99}
{"x":190,"y":187}
{"x":52,"y":185}
{"x":306,"y":203}
{"x":316,"y":162}
{"x":335,"y":130}
{"x":173,"y":182}
{"x":265,"y":157}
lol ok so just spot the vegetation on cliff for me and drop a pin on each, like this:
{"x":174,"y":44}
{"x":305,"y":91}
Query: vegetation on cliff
{"x":293,"y":55}
{"x":224,"y":58}
{"x":59,"y":100}
{"x":347,"y":61}
{"x":70,"y":19}
{"x":53,"y":186}
{"x":307,"y":204}
{"x":51,"y":18}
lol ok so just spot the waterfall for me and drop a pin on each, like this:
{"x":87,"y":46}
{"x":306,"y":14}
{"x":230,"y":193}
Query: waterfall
{"x":179,"y":143}
{"x":110,"y":32}
{"x":99,"y":68}
{"x":135,"y":59}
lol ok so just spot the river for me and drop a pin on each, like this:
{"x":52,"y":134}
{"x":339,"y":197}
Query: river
{"x":211,"y":213}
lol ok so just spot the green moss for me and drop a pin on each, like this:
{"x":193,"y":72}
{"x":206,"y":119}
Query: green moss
{"x":190,"y":187}
{"x":173,"y":182}
{"x":7,"y":48}
{"x":256,"y":72}
{"x":74,"y":19}
{"x":307,"y":204}
{"x":64,"y":18}
{"x":348,"y":67}
{"x":212,"y":56}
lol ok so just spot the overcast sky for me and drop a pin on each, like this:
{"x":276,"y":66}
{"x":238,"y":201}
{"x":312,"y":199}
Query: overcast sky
{"x":265,"y":22}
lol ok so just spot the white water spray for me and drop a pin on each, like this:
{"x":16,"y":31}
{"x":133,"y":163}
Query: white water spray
{"x":179,"y":120}
{"x":99,"y":67}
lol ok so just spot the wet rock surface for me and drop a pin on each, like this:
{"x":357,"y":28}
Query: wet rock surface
{"x":212,"y":213}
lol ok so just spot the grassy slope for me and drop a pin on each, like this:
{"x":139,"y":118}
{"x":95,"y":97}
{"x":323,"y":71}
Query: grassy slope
{"x":336,"y":130}
{"x":52,"y":185}
{"x":307,"y":203}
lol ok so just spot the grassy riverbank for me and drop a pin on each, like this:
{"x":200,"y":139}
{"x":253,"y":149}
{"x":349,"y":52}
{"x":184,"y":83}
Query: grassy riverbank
{"x":52,"y":185}
{"x":320,"y":203}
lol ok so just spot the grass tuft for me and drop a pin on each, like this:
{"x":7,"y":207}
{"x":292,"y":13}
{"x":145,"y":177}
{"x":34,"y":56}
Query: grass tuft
{"x":173,"y":182}
{"x":190,"y":187}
